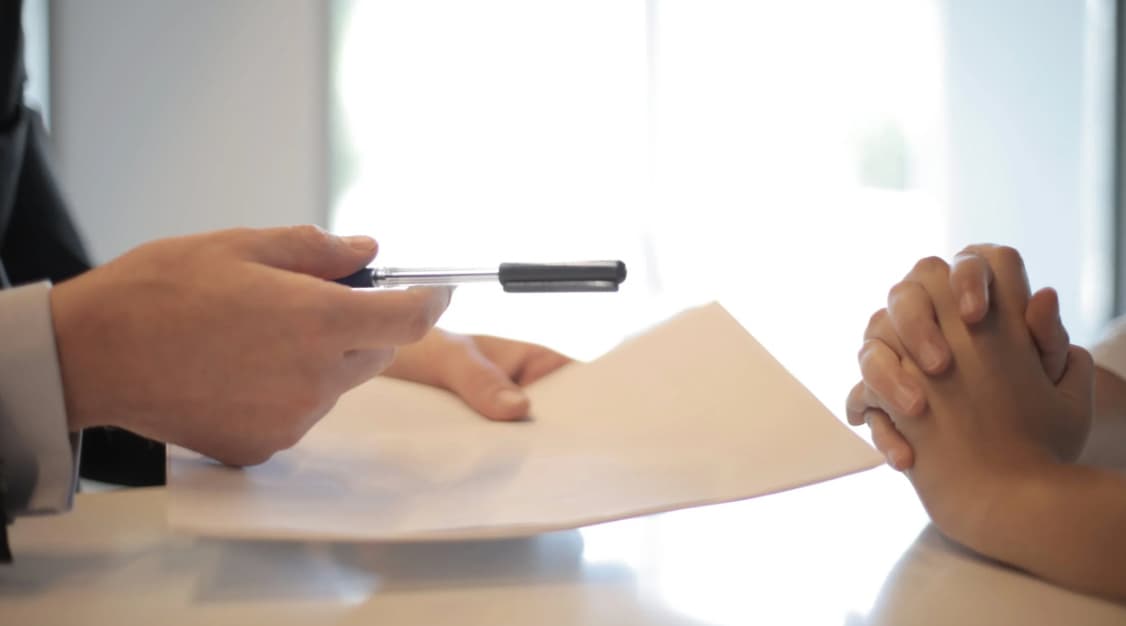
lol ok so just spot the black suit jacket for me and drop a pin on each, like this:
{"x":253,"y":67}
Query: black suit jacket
{"x":38,"y":241}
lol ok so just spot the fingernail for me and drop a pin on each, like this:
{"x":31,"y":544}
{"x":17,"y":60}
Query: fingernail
{"x":969,"y":304}
{"x":931,"y":356}
{"x":907,"y":399}
{"x":509,"y":398}
{"x":360,"y":243}
{"x":893,"y":459}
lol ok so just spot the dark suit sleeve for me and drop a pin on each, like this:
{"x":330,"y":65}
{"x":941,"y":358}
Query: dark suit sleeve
{"x":5,"y":551}
{"x":41,"y":241}
{"x":11,"y":86}
{"x":38,"y":240}
{"x":12,"y":74}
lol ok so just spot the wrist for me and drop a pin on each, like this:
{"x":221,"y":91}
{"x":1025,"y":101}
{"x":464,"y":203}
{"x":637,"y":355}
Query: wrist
{"x":1013,"y":507}
{"x":72,"y":354}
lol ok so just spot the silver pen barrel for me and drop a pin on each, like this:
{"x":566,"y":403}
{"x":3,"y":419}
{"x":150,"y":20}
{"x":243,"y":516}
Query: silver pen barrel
{"x":397,"y":277}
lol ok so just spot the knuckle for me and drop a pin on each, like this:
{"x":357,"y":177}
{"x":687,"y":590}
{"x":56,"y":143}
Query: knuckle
{"x":968,"y":265}
{"x":911,"y":314}
{"x":862,"y":353}
{"x":903,"y":291}
{"x":930,"y":265}
{"x":970,"y":277}
{"x":1007,"y":257}
{"x":975,"y":252}
{"x":867,"y":355}
{"x":971,"y":250}
{"x":877,"y":319}
{"x":878,"y":375}
{"x":311,"y":235}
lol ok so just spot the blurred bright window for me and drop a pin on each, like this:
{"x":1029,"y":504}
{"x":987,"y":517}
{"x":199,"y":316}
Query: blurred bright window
{"x":792,"y":159}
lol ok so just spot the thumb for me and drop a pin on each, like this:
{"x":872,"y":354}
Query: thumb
{"x":486,"y":388}
{"x":1077,"y":386}
{"x":1043,"y":319}
{"x":309,"y":250}
{"x":1078,"y":382}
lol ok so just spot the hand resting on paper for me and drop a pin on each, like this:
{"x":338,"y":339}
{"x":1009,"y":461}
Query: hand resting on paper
{"x":486,"y":372}
{"x":234,"y":344}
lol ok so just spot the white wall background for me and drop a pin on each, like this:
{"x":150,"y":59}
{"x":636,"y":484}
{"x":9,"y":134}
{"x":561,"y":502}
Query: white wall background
{"x":174,"y":116}
{"x":1029,"y":134}
{"x":37,"y":56}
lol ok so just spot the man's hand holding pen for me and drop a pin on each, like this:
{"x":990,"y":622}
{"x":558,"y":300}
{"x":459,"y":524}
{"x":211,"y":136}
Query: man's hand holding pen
{"x":230,"y":343}
{"x":235,"y":343}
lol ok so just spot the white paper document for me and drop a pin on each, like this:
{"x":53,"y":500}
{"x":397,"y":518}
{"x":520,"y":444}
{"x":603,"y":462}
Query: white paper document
{"x":692,"y":412}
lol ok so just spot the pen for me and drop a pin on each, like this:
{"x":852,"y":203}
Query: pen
{"x":514,"y":277}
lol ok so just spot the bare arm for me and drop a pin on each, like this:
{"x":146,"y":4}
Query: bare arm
{"x":994,"y":443}
{"x":1066,"y":524}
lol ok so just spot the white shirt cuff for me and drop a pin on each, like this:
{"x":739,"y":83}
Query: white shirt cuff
{"x":40,"y":457}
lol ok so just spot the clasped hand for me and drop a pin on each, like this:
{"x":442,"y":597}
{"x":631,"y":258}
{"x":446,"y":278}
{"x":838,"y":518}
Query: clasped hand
{"x":968,"y":381}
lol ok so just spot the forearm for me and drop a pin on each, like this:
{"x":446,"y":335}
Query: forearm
{"x":1066,"y":524}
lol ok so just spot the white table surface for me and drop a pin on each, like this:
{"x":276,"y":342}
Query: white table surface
{"x":853,"y":551}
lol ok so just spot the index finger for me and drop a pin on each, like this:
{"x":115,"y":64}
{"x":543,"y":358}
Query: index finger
{"x":524,"y":362}
{"x":376,"y":318}
{"x":970,"y":277}
{"x":1009,"y":289}
{"x":912,"y":316}
{"x":1048,"y":332}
